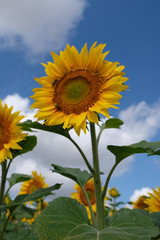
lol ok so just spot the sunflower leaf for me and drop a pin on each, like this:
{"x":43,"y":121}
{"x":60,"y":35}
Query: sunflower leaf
{"x":77,"y":175}
{"x":17,"y":178}
{"x":59,"y":218}
{"x":28,"y":125}
{"x":122,"y":152}
{"x":39,"y":193}
{"x":112,"y":123}
{"x":27,"y":145}
{"x":67,"y":219}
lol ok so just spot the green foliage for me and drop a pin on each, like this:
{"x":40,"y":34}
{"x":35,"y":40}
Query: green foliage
{"x":154,"y":216}
{"x":28,"y":125}
{"x":81,"y":177}
{"x":17,"y":178}
{"x":39,"y":193}
{"x":66,"y":219}
{"x":59,"y":218}
{"x":121,"y":152}
{"x":27,"y":145}
{"x":111,"y":123}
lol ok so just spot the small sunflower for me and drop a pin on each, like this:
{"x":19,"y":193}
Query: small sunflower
{"x":32,"y":185}
{"x":10,"y":133}
{"x":80,"y":197}
{"x":113,"y":192}
{"x":154,"y":201}
{"x":78,"y":87}
{"x":140,"y":203}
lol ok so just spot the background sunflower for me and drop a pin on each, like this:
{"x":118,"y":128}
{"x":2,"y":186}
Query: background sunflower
{"x":10,"y":133}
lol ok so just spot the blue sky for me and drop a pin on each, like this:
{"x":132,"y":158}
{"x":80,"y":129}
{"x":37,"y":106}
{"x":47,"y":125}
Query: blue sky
{"x":30,"y":30}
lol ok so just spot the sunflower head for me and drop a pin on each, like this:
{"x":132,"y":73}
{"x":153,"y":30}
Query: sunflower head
{"x":140,"y":203}
{"x":10,"y":133}
{"x":80,"y":197}
{"x":113,"y":192}
{"x":32,"y":185}
{"x":78,"y":87}
{"x":153,"y":201}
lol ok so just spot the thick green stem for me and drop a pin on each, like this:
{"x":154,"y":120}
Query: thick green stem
{"x":3,"y":182}
{"x":97,"y":180}
{"x":107,"y":182}
{"x":90,"y":206}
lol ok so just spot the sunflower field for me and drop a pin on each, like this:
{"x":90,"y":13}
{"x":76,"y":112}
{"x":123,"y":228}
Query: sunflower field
{"x":75,"y":95}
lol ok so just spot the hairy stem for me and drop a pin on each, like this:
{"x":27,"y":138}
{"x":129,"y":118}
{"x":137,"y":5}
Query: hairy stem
{"x":97,"y":180}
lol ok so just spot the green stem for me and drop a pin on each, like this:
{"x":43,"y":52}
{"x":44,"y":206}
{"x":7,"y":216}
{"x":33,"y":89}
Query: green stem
{"x":107,"y":181}
{"x":97,"y":180}
{"x":4,"y":226}
{"x":3,"y":182}
{"x":83,"y":155}
{"x":90,"y":206}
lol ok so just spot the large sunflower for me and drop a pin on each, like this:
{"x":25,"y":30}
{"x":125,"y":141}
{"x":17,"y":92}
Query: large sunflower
{"x":154,"y":201}
{"x":32,"y":185}
{"x":78,"y":86}
{"x":80,"y":197}
{"x":10,"y":133}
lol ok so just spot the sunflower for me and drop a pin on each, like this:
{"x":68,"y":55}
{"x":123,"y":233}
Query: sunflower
{"x":78,"y":87}
{"x":154,"y":201}
{"x":113,"y":192}
{"x":80,"y":197}
{"x":32,"y":185}
{"x":10,"y":133}
{"x":140,"y":203}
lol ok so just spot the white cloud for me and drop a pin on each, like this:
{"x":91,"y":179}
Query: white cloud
{"x":40,"y":25}
{"x":140,"y":192}
{"x":141,"y":122}
{"x":20,"y":104}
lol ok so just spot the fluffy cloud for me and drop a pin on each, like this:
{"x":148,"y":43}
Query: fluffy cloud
{"x":39,"y":25}
{"x":141,"y":122}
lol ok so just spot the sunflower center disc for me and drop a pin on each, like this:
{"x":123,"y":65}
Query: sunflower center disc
{"x":76,"y":91}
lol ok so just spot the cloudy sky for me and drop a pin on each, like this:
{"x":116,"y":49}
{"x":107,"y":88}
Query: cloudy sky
{"x":29,"y":30}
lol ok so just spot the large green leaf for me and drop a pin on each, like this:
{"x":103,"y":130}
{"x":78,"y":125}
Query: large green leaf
{"x":81,"y":177}
{"x":121,"y":152}
{"x":154,"y":216}
{"x":17,"y":178}
{"x":66,"y":219}
{"x":39,"y":193}
{"x":28,"y":125}
{"x":27,"y":145}
{"x":59,"y":218}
